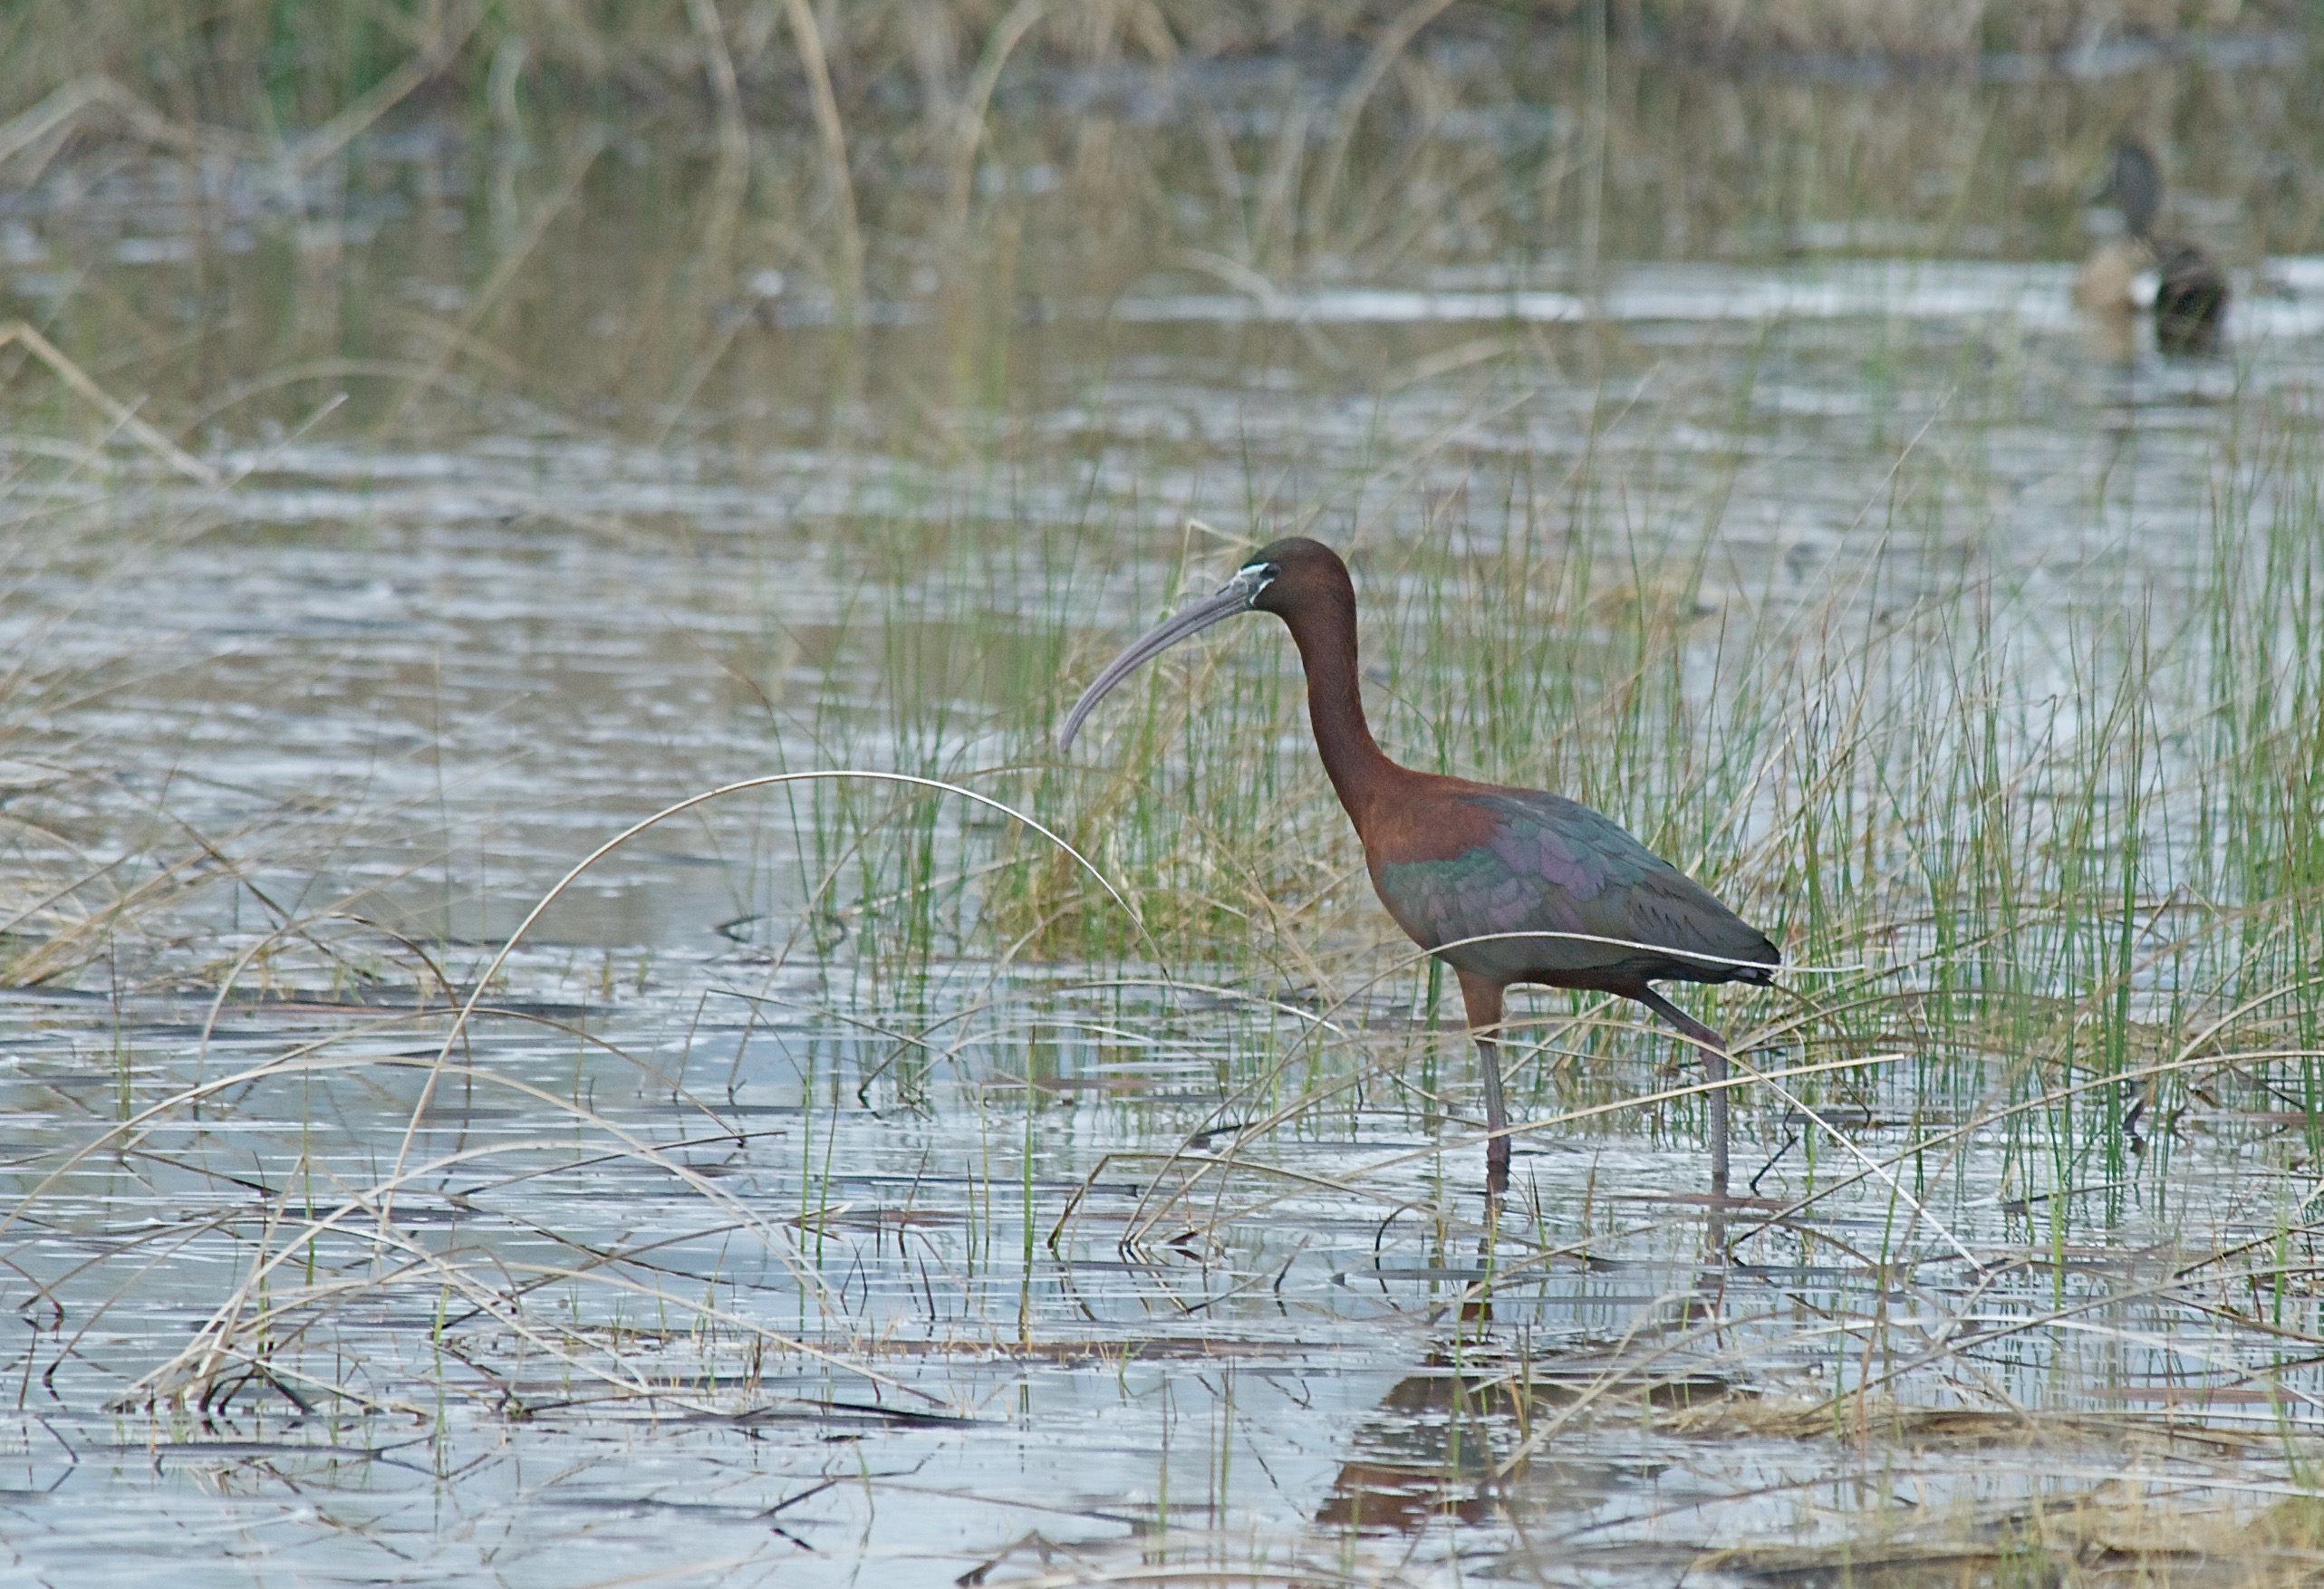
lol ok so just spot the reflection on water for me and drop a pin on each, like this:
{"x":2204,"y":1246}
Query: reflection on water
{"x":1439,"y":1449}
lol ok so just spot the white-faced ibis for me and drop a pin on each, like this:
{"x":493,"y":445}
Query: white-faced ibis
{"x":1504,"y":885}
{"x":2189,"y":288}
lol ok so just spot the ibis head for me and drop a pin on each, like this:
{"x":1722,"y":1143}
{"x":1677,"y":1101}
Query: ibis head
{"x":1281,"y":577}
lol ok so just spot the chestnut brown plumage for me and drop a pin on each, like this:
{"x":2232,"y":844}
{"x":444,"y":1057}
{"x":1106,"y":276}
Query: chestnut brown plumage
{"x":1505,"y":885}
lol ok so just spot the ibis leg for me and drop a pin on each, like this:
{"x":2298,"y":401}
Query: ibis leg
{"x":1483,"y":1000}
{"x":1488,"y":1058}
{"x":1714,"y":1070}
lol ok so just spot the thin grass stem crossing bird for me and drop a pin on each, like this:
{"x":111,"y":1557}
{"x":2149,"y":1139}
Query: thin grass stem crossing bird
{"x":1504,"y":885}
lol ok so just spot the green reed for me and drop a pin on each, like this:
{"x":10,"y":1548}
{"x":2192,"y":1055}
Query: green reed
{"x":2007,"y":830}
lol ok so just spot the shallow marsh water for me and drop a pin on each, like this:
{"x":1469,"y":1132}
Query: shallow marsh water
{"x":834,"y":1186}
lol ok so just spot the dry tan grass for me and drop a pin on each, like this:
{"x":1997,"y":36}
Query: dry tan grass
{"x":266,"y":68}
{"x":1950,"y":27}
{"x":2109,"y":1535}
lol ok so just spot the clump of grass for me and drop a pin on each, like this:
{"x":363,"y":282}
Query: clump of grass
{"x":2010,"y":867}
{"x":2137,"y":1532}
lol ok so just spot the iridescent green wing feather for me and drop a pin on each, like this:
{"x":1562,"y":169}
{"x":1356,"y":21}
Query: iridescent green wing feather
{"x":1559,"y":869}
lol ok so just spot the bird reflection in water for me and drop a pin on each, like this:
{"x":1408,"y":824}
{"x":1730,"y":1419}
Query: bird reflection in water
{"x":1431,"y":1452}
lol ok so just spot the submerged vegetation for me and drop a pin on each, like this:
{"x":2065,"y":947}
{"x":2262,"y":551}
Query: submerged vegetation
{"x":437,"y":439}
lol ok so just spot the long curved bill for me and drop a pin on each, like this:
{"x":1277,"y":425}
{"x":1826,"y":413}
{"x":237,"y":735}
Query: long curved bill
{"x":1235,"y":596}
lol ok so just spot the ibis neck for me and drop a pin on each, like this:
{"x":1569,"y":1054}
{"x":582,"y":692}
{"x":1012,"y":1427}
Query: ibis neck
{"x":1358,"y":769}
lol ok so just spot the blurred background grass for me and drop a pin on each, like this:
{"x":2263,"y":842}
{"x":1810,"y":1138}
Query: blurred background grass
{"x":680,"y":166}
